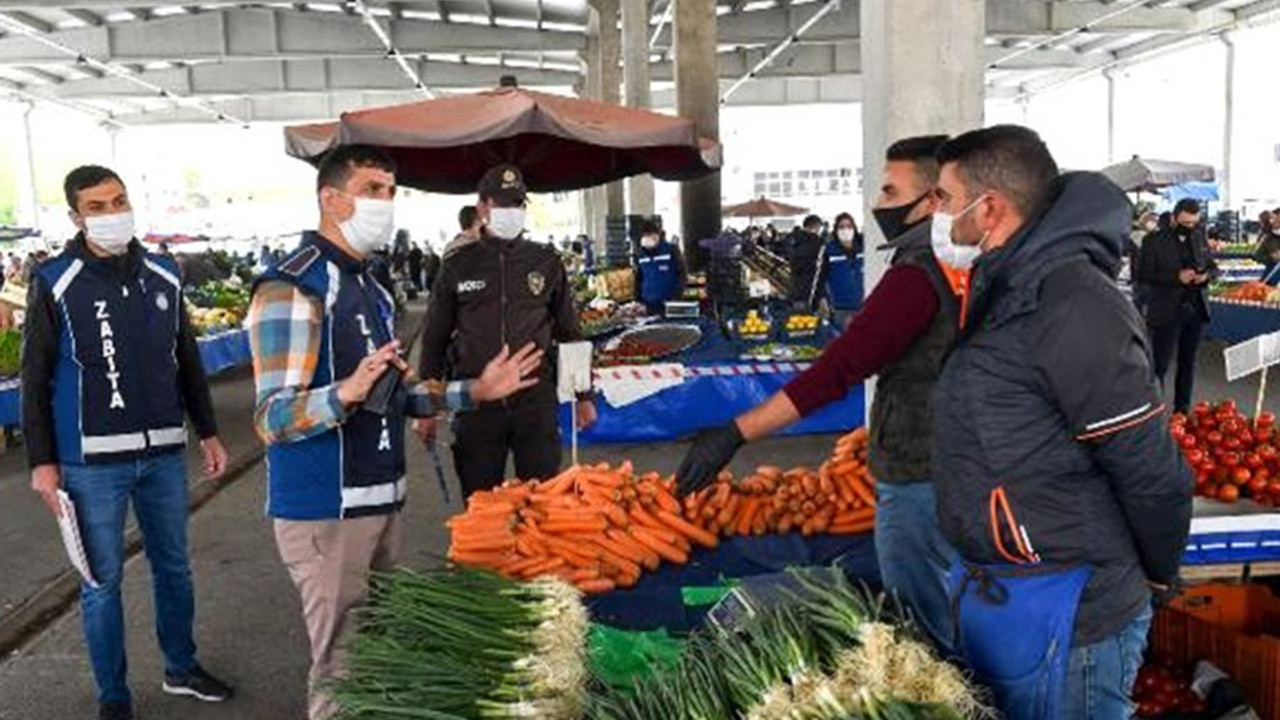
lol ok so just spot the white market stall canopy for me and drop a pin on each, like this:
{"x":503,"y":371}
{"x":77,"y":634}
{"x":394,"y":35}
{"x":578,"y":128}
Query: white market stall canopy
{"x":150,"y":61}
{"x":1151,"y":175}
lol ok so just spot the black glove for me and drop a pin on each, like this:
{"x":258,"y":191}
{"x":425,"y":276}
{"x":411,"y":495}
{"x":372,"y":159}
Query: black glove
{"x":711,"y":452}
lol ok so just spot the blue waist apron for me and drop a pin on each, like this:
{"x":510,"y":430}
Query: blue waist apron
{"x":1013,"y":628}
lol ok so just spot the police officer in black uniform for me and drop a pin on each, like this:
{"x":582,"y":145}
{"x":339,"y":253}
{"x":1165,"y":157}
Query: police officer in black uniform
{"x":501,"y":290}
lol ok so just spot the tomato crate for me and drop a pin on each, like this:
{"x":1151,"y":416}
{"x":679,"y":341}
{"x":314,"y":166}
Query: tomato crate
{"x":1233,"y":626}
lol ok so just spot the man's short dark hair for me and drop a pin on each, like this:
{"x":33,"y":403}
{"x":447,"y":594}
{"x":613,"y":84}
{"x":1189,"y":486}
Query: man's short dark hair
{"x":467,"y":216}
{"x":921,"y":150}
{"x":338,"y":163}
{"x":85,"y":177}
{"x":1010,"y":159}
{"x":1188,"y":206}
{"x":811,"y":222}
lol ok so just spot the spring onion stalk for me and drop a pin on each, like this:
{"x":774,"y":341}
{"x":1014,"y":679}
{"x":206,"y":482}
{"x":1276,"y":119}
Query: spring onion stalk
{"x":462,"y":644}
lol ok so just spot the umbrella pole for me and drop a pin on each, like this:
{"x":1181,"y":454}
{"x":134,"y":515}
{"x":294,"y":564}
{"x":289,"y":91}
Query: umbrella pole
{"x":1262,"y":393}
{"x":573,"y":432}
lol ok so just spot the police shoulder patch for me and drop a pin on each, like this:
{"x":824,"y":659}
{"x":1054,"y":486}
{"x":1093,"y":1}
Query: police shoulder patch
{"x":300,"y":261}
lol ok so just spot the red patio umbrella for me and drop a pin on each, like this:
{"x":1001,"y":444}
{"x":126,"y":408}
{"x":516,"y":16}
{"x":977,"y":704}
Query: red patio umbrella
{"x":762,"y":208}
{"x":559,"y":143}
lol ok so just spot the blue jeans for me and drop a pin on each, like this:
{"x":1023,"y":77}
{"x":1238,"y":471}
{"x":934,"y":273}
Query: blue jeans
{"x":914,"y":557}
{"x":1100,"y":676}
{"x":158,"y":488}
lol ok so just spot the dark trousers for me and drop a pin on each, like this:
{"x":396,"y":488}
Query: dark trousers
{"x":1182,"y":335}
{"x":525,"y":426}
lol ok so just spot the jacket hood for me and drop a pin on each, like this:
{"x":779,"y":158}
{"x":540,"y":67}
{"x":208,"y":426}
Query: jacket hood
{"x":1088,"y":217}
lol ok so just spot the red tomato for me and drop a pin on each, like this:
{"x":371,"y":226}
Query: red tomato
{"x":1273,"y":488}
{"x":1230,"y":427}
{"x":1266,"y":451}
{"x":1186,"y":441}
{"x":1227,"y":405}
{"x":1211,"y":490}
{"x":1208,"y":466}
{"x":1232,"y":443}
{"x":1266,"y":419}
{"x":1228,"y":493}
{"x":1202,"y":408}
{"x":1258,"y":487}
{"x":1178,"y":418}
{"x":1241,"y":476}
{"x":1246,"y":438}
{"x":1195,"y":455}
{"x":1214,"y":438}
{"x":1252,"y":461}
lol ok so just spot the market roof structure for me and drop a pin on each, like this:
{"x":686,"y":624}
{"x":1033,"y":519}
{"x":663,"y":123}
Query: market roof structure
{"x":149,"y":61}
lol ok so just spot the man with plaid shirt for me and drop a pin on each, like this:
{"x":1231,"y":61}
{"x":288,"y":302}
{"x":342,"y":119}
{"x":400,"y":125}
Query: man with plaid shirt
{"x":321,"y":331}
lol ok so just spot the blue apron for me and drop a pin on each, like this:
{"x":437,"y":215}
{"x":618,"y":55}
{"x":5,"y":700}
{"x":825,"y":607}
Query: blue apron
{"x":1013,"y":628}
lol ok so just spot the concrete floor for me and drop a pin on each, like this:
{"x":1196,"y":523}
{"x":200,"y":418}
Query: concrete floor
{"x":249,"y":626}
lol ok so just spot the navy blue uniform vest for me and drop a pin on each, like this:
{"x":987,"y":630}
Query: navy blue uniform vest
{"x":116,"y":392}
{"x":844,"y":277}
{"x":357,"y":469}
{"x":657,"y":269}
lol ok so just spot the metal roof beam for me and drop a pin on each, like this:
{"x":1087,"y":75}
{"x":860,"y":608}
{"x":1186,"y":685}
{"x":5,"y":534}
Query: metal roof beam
{"x":307,"y":77}
{"x":258,"y":33}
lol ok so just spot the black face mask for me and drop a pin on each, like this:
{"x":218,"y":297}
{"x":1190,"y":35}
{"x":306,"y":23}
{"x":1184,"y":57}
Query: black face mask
{"x":893,"y":220}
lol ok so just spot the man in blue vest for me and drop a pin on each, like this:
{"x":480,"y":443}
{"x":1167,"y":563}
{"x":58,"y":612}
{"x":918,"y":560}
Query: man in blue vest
{"x":109,"y":371}
{"x":321,"y":332}
{"x":839,"y":277}
{"x":660,"y":269}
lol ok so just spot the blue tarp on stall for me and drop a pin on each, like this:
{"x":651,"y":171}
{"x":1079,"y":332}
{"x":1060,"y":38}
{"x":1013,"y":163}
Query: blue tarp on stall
{"x":1234,"y":322}
{"x":657,"y":600}
{"x":718,"y":386}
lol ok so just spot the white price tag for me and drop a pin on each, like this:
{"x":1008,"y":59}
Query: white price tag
{"x":1252,"y":356}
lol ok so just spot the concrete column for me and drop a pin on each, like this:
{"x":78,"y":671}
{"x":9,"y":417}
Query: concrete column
{"x":922,"y":69}
{"x":698,"y":98}
{"x":635,"y":75}
{"x":1110,"y":75}
{"x":28,"y":214}
{"x":593,"y":200}
{"x":610,"y":53}
{"x":1228,"y":121}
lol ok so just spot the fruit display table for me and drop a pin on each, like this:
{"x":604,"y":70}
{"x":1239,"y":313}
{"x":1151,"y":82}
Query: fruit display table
{"x":218,"y":353}
{"x":1242,"y":532}
{"x":1236,"y":321}
{"x":707,"y":385}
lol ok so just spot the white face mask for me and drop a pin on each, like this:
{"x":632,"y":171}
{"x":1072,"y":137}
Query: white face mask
{"x":112,"y":233}
{"x":959,"y":257}
{"x":506,"y":223}
{"x":845,"y":235}
{"x":370,"y":228}
{"x":649,"y":242}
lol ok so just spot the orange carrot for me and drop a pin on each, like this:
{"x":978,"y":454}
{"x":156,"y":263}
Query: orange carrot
{"x":728,"y":512}
{"x":561,"y":527}
{"x":550,"y":564}
{"x":668,"y":552}
{"x":852,"y":528}
{"x":666,"y":501}
{"x":487,"y":559}
{"x":629,"y":547}
{"x":591,"y":587}
{"x":746,"y":516}
{"x":689,"y":530}
{"x":859,"y":489}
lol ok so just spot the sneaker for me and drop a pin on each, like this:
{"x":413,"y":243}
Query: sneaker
{"x":115,"y":711}
{"x":198,"y":684}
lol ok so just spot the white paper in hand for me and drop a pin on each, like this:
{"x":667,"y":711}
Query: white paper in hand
{"x":574,"y":369}
{"x":71,"y":538}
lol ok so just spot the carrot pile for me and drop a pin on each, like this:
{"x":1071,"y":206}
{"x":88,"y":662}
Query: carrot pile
{"x":837,"y":498}
{"x":600,"y":527}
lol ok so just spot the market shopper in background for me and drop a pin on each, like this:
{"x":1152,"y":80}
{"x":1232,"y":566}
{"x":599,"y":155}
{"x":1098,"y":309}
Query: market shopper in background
{"x":110,"y":367}
{"x":804,"y":246}
{"x":1175,"y":268}
{"x":472,"y":228}
{"x":1058,"y":482}
{"x":322,"y":335}
{"x":501,"y":291}
{"x":902,"y":334}
{"x":1268,"y":250}
{"x":660,"y":269}
{"x":839,"y":276}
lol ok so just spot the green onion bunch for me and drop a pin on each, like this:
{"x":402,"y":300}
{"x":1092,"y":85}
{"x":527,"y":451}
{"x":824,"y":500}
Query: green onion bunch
{"x":833,"y":652}
{"x":465,"y":644}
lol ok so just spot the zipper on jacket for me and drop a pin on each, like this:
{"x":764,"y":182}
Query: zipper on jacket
{"x":502,"y":285}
